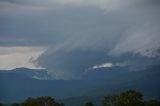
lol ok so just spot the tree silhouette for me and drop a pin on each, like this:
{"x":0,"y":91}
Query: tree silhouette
{"x":128,"y":98}
{"x":2,"y":104}
{"x":110,"y":100}
{"x":41,"y":101}
{"x":152,"y":103}
{"x":89,"y":104}
{"x":16,"y":104}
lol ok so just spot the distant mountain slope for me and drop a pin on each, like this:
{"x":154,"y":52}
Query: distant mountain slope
{"x":32,"y":73}
{"x":147,"y":81}
{"x":15,"y":86}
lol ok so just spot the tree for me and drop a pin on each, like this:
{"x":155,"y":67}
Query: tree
{"x":89,"y":104}
{"x":152,"y":103}
{"x":15,"y":104}
{"x":2,"y":104}
{"x":30,"y":102}
{"x":110,"y":100}
{"x":41,"y":101}
{"x":128,"y":98}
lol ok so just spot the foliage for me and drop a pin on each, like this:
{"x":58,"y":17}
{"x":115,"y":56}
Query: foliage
{"x":89,"y":104}
{"x":2,"y":104}
{"x":152,"y":103}
{"x":40,"y":101}
{"x":128,"y":98}
{"x":16,"y":104}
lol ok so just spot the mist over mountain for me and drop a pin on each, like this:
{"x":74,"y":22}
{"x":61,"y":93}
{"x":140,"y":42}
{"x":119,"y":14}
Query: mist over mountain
{"x":40,"y":74}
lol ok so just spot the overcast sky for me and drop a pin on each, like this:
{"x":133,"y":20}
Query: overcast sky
{"x":69,"y":36}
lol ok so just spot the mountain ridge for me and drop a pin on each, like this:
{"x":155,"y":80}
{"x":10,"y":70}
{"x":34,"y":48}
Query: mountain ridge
{"x":16,"y":87}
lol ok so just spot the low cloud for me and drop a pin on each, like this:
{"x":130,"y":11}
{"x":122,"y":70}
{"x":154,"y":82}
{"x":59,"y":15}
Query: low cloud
{"x":110,"y":65}
{"x":104,"y":65}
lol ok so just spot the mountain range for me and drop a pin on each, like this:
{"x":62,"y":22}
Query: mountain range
{"x":21,"y":83}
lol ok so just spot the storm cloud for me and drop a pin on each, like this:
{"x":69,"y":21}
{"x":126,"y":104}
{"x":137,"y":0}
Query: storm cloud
{"x":83,"y":33}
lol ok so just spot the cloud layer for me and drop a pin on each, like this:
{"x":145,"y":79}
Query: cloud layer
{"x":14,"y":57}
{"x":82,"y":33}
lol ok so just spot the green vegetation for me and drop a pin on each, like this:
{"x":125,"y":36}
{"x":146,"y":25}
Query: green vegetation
{"x":2,"y":104}
{"x":152,"y":103}
{"x":40,"y":101}
{"x":89,"y":104}
{"x":128,"y":98}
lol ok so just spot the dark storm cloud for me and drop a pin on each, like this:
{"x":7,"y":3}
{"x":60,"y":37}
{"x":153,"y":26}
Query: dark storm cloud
{"x":49,"y":26}
{"x":22,"y":2}
{"x":133,"y":31}
{"x":81,"y":34}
